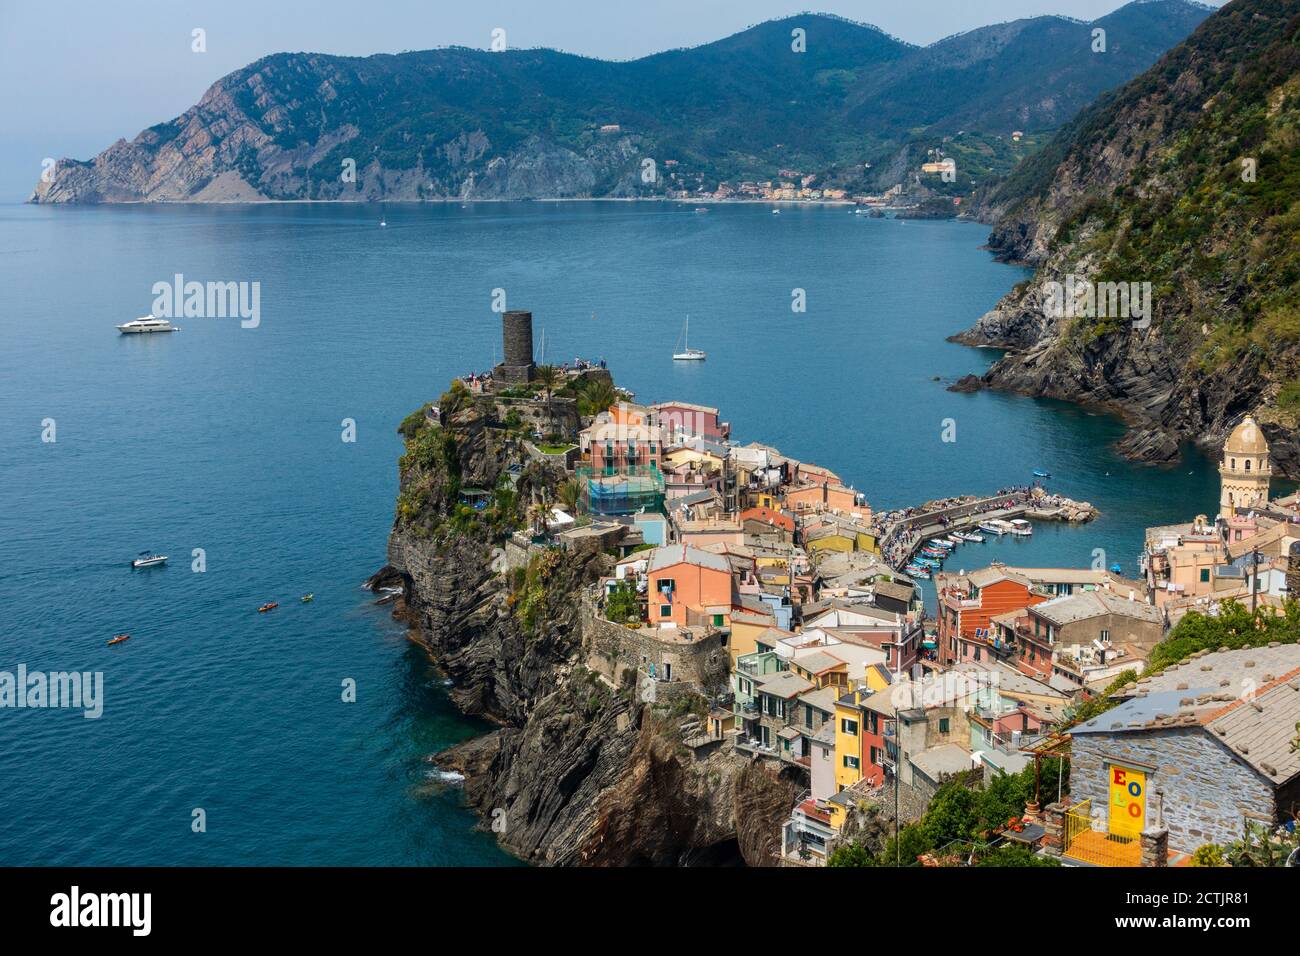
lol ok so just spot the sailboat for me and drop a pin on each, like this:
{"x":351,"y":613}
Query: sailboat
{"x":688,"y":354}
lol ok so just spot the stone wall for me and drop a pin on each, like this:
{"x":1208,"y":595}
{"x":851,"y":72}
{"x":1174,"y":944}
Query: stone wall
{"x":1205,"y":790}
{"x":700,"y":666}
{"x":559,"y":418}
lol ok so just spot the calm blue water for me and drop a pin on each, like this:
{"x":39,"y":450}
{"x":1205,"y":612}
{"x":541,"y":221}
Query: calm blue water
{"x":228,"y":439}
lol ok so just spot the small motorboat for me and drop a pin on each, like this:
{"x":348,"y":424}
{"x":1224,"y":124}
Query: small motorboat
{"x":776,"y":212}
{"x":970,"y":536}
{"x":308,"y":597}
{"x":148,"y":559}
{"x":1021,"y":527}
{"x":1039,"y":473}
{"x":268,"y":607}
{"x":119,"y":639}
{"x":994,"y":527}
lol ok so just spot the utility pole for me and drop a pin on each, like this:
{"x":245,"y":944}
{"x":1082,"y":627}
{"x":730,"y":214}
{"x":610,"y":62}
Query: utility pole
{"x":1254,"y":580}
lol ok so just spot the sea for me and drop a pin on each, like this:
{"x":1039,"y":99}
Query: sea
{"x":259,"y":452}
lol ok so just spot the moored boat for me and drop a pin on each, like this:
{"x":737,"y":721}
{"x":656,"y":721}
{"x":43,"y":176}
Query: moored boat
{"x":969,"y":536}
{"x":688,"y":354}
{"x":1020,"y":527}
{"x":994,"y":526}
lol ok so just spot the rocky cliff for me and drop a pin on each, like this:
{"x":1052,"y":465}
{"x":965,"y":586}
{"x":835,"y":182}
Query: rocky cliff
{"x":580,"y":772}
{"x":1162,"y":222}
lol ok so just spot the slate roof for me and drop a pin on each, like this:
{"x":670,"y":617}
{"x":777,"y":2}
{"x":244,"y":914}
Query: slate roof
{"x":1248,"y":700}
{"x":938,"y":762}
{"x":899,"y":592}
{"x":672,"y":554}
{"x":1090,"y":604}
{"x":823,"y":699}
{"x":826,"y":735}
{"x":1260,"y":731}
{"x":785,"y":684}
{"x":818,"y":662}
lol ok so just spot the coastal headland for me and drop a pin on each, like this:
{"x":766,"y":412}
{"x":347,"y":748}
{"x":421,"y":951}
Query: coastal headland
{"x":530,"y":500}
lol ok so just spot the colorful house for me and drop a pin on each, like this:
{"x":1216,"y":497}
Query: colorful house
{"x":682,"y":420}
{"x":683,"y":579}
{"x":967,"y":605}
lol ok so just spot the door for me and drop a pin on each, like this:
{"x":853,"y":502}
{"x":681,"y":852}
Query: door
{"x":1128,"y":801}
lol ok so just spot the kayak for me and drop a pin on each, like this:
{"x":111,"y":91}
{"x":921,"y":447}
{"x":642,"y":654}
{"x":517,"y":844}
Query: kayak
{"x":308,"y":597}
{"x":119,"y":639}
{"x":268,"y":607}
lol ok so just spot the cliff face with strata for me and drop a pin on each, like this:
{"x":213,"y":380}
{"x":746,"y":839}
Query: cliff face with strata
{"x":307,"y":126}
{"x":579,"y":772}
{"x":1185,"y":179}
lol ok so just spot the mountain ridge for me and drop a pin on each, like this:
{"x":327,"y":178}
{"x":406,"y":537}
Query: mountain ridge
{"x":459,"y":123}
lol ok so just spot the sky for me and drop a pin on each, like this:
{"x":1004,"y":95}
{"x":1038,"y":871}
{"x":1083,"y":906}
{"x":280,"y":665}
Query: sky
{"x":79,"y":75}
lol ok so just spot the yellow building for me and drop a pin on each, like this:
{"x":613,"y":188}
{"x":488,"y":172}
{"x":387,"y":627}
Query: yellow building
{"x":749,"y":631}
{"x":685,"y":456}
{"x":849,"y":725}
{"x":843,"y":538}
{"x":1245,"y":470}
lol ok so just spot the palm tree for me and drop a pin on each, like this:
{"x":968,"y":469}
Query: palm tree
{"x":538,"y":513}
{"x":548,"y":376}
{"x":570,"y":494}
{"x":599,"y":395}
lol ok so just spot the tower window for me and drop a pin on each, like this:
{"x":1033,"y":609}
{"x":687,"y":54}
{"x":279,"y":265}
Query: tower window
{"x":1234,"y":464}
{"x":1248,"y":464}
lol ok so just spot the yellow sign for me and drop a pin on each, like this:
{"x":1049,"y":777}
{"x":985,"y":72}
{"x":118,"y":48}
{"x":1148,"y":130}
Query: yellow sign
{"x":1128,"y":801}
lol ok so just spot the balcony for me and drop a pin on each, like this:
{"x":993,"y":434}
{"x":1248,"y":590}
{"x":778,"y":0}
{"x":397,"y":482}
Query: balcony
{"x":808,"y":837}
{"x":1097,"y":847}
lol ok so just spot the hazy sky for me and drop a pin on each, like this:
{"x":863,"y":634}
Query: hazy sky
{"x":78,"y":75}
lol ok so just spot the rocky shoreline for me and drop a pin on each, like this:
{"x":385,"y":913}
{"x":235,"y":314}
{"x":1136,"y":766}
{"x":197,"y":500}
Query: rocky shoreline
{"x":579,"y":772}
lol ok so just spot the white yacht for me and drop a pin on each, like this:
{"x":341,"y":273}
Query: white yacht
{"x":688,"y":354}
{"x":148,"y":559}
{"x":146,"y":323}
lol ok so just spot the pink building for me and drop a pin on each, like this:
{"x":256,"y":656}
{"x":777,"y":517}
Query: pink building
{"x":683,"y":420}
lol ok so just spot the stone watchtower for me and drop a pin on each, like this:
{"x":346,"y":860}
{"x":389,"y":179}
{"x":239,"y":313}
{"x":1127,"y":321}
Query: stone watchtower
{"x":1245,"y":470}
{"x":516,"y":348}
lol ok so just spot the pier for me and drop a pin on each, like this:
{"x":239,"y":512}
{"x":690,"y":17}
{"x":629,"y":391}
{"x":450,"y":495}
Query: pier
{"x":903,"y":537}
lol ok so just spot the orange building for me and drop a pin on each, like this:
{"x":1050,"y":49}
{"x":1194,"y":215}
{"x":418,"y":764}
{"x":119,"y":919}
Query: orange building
{"x":685,"y":580}
{"x":767,"y":516}
{"x":967,"y":605}
{"x":816,"y":475}
{"x":820,"y":497}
